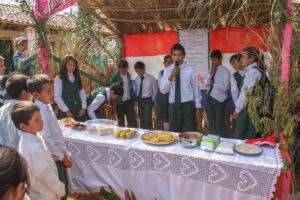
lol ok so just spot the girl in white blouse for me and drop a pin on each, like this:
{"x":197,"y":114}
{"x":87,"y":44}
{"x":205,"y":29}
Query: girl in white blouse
{"x":70,"y":95}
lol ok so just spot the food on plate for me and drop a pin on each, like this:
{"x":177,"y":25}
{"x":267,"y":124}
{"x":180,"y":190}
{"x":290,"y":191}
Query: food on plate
{"x":102,"y":130}
{"x":248,"y":149}
{"x":79,"y":126}
{"x":128,"y":133}
{"x":68,"y":121}
{"x":161,"y":137}
{"x":184,"y":135}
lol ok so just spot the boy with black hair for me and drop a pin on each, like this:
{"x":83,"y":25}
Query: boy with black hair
{"x":147,"y":91}
{"x":42,"y":89}
{"x":180,"y":80}
{"x":125,"y":103}
{"x":218,"y":79}
{"x":16,"y":90}
{"x":236,"y":82}
{"x":100,"y":96}
{"x":41,"y":168}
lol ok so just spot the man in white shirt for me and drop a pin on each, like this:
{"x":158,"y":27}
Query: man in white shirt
{"x":16,"y":90}
{"x":147,"y":91}
{"x":185,"y":98}
{"x":218,"y":79}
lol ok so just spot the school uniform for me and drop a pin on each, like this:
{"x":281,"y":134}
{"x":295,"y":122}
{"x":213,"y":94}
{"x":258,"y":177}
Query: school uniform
{"x":184,"y":97}
{"x":236,"y":84}
{"x":9,"y":134}
{"x":3,"y":97}
{"x":42,"y":171}
{"x":54,"y":140}
{"x":68,"y":96}
{"x":244,"y":128}
{"x":95,"y":100}
{"x":162,"y":108}
{"x":147,"y":91}
{"x":125,"y":103}
{"x":215,"y":100}
{"x":22,"y":64}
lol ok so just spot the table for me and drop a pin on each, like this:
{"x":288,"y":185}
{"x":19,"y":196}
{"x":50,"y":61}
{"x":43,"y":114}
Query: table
{"x":168,"y":172}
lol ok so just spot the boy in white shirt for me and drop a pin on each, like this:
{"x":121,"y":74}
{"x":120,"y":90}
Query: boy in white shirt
{"x":147,"y":91}
{"x":45,"y":184}
{"x":42,"y":89}
{"x":218,"y":79}
{"x":236,"y":82}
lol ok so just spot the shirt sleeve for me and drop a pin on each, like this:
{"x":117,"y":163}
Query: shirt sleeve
{"x":83,"y":98}
{"x":224,"y":84}
{"x":196,"y":90}
{"x":249,"y":83}
{"x":154,"y":88}
{"x":95,"y":105}
{"x":234,"y":90}
{"x":159,"y":79}
{"x":57,"y":95}
{"x":48,"y":138}
{"x":165,"y":84}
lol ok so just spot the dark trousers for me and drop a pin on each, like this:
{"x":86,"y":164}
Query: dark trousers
{"x":216,"y":116}
{"x":62,"y":176}
{"x":127,"y":109}
{"x":244,"y":128}
{"x":145,"y":113}
{"x":182,"y":118}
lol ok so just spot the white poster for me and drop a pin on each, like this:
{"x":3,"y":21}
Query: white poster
{"x":196,"y":44}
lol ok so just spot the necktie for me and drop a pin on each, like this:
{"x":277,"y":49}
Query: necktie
{"x":177,"y":91}
{"x":213,"y":80}
{"x":141,"y":88}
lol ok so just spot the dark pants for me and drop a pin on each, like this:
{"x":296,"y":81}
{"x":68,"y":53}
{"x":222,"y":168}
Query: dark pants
{"x":62,"y":175}
{"x":216,"y":116}
{"x":244,"y":128}
{"x":182,"y":118}
{"x":126,"y":109}
{"x":145,"y":113}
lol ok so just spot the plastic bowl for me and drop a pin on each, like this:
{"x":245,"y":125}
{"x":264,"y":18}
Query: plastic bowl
{"x":101,"y":126}
{"x":190,"y":139}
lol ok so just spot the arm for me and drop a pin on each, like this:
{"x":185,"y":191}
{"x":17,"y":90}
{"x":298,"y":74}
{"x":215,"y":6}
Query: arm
{"x":234,"y":90}
{"x":154,"y":88}
{"x":95,"y":105}
{"x":249,"y":82}
{"x":196,"y":90}
{"x":166,"y":84}
{"x":223,"y":85}
{"x":113,"y":79}
{"x":57,"y":95}
{"x":82,"y":98}
{"x":158,"y":80}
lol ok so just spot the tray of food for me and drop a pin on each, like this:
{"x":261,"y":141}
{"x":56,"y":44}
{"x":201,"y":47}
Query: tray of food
{"x":248,"y":149}
{"x":125,"y":133}
{"x":190,"y":139}
{"x":67,"y":121}
{"x":159,"y":138}
{"x":101,"y":126}
{"x":79,"y":126}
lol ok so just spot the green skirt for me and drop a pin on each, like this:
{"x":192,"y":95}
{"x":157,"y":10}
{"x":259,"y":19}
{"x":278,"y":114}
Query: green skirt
{"x":162,"y":108}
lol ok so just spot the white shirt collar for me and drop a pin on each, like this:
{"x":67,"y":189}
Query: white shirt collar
{"x":251,"y":65}
{"x":40,"y":104}
{"x":13,"y":101}
{"x":70,"y":74}
{"x":108,"y":93}
{"x":30,"y":136}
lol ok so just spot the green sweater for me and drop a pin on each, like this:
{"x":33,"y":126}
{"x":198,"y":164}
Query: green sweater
{"x":116,"y":77}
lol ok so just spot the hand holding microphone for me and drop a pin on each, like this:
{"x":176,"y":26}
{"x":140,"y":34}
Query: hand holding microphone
{"x":175,"y":71}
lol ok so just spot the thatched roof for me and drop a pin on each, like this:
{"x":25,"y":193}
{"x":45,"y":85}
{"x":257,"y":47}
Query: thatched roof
{"x":145,"y":16}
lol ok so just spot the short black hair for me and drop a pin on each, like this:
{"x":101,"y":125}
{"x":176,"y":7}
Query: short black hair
{"x":216,"y":54}
{"x":5,"y":78}
{"x":139,"y":65}
{"x":35,"y":83}
{"x":15,"y":85}
{"x":117,"y":88}
{"x":177,"y":47}
{"x":167,"y":57}
{"x":236,"y":56}
{"x":22,"y":112}
{"x":123,"y":64}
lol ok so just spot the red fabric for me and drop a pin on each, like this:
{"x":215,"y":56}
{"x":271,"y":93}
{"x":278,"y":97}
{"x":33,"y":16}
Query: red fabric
{"x":151,"y":44}
{"x":42,"y":7}
{"x":269,"y":141}
{"x":233,"y":40}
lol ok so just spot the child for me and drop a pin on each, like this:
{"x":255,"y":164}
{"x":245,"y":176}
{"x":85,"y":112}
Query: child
{"x":98,"y":97}
{"x":2,"y":88}
{"x":23,"y":63}
{"x":147,"y":90}
{"x":237,"y":78}
{"x":162,"y":109}
{"x":69,"y":93}
{"x":218,"y":79}
{"x":125,"y":103}
{"x":180,"y":80}
{"x":250,"y":61}
{"x":41,"y":87}
{"x":41,"y":167}
{"x":17,"y":90}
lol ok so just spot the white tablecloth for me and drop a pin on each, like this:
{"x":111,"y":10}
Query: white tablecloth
{"x":168,"y":172}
